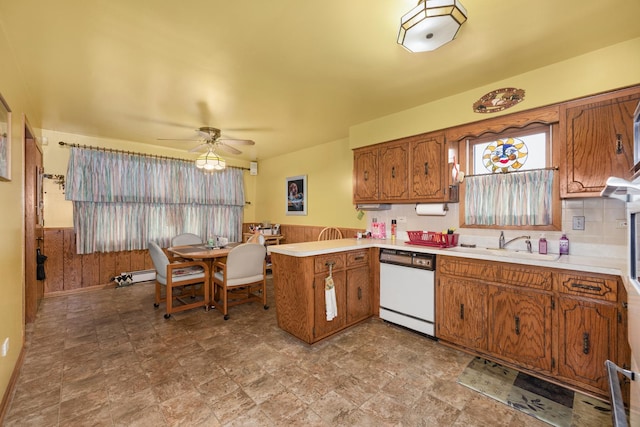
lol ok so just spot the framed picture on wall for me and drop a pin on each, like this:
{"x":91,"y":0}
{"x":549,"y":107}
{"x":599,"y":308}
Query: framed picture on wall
{"x":297,"y":195}
{"x":5,"y":140}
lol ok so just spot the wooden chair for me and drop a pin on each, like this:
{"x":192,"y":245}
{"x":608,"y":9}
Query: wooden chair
{"x":178,"y":280}
{"x":330,"y":233}
{"x":241,"y":278}
{"x":182,"y":240}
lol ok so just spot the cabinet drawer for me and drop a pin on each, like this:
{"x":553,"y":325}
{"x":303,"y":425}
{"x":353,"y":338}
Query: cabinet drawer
{"x":357,"y":258}
{"x":599,"y":287}
{"x":322,"y":262}
{"x":467,"y":268}
{"x":529,"y":277}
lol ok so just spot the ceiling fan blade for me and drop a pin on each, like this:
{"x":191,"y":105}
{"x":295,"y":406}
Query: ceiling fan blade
{"x":198,"y":148}
{"x":176,"y":139}
{"x":228,"y":148}
{"x":237,"y":141}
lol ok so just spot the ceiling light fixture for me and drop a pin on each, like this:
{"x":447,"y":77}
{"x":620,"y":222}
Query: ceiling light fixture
{"x":210,"y":161}
{"x":431,"y":24}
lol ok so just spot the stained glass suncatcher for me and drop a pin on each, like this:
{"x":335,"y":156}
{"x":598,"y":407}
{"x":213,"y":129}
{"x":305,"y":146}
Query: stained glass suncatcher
{"x":505,"y":155}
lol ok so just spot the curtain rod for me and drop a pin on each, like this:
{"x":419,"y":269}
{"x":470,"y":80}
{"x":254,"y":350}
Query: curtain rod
{"x":113,"y":150}
{"x":550,"y":168}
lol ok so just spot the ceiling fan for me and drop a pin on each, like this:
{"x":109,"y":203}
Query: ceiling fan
{"x":211,"y":139}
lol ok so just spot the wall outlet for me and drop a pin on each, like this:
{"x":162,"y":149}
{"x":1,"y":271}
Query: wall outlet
{"x":621,"y":223}
{"x":5,"y":347}
{"x":578,"y":223}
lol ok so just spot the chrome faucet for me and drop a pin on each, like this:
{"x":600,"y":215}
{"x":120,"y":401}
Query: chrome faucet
{"x":502,"y":244}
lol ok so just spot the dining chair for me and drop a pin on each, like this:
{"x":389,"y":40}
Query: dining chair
{"x":330,"y":233}
{"x":256,"y":238}
{"x":242,"y":278}
{"x":179,"y":280}
{"x":186,"y":239}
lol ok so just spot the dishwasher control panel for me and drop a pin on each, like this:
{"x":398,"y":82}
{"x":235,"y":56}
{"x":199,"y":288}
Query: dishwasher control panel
{"x":408,"y":258}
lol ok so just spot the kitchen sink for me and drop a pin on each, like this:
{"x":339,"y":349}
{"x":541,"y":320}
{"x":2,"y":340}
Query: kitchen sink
{"x":506,"y":253}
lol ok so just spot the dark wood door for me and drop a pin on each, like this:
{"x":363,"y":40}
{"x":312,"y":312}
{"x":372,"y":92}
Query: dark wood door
{"x":365,"y":167}
{"x":34,"y":235}
{"x":322,"y":326}
{"x":394,"y":172}
{"x":358,"y":294}
{"x":428,"y":178}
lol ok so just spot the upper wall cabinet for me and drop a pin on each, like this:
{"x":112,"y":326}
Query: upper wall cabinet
{"x":365,"y":175}
{"x":598,"y":134}
{"x":408,"y":170}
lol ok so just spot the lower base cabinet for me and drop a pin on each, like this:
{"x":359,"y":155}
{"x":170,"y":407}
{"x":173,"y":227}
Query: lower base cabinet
{"x":551,"y":323}
{"x":299,"y":286}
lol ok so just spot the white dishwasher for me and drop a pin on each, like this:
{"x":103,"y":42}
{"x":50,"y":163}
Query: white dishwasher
{"x":407,"y":289}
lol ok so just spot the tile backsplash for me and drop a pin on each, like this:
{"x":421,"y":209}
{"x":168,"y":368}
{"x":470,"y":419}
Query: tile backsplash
{"x":604,"y":234}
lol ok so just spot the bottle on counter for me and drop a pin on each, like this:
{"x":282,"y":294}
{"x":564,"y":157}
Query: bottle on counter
{"x":394,"y":229}
{"x":564,"y":245}
{"x":542,"y":245}
{"x":375,"y":232}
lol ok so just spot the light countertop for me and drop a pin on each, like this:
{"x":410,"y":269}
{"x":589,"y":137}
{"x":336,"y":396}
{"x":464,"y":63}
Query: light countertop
{"x":569,"y":262}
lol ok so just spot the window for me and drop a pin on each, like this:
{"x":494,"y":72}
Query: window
{"x":518,"y":150}
{"x":511,"y":182}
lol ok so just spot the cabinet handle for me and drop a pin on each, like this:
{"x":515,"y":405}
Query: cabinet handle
{"x":426,"y":168}
{"x":586,"y":287}
{"x":366,"y":175}
{"x":358,"y":258}
{"x":585,"y":343}
{"x":517,"y":319}
{"x":329,"y":263}
{"x":462,"y":311}
{"x":619,"y":148}
{"x":359,"y":292}
{"x":393,"y":172}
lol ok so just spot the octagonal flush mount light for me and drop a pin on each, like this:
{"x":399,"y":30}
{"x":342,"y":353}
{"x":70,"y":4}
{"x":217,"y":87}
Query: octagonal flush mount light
{"x":431,"y":24}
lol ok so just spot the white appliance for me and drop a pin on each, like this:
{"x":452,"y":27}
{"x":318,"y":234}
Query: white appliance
{"x":407,"y":289}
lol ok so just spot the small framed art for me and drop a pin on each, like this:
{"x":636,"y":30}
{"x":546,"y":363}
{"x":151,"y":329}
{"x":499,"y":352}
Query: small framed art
{"x":297,"y":195}
{"x":5,"y":140}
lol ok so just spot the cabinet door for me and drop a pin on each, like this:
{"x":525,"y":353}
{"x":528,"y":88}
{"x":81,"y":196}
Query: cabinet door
{"x":394,"y":172}
{"x":520,"y":325}
{"x":461,"y":307}
{"x":599,"y":144}
{"x":365,"y":179}
{"x":358,"y":294}
{"x":586,"y":339}
{"x":428,"y":177}
{"x":322,"y":326}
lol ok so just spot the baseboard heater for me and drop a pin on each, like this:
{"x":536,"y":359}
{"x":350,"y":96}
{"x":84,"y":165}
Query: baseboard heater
{"x":131,"y":277}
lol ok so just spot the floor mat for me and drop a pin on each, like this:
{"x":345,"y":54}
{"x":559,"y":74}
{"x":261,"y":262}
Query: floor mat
{"x":545,"y":401}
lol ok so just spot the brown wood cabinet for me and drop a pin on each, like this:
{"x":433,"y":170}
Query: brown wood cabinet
{"x":429,"y":178}
{"x":365,"y":175}
{"x":299,"y":286}
{"x":549,"y":322}
{"x":598,"y":133}
{"x":408,"y":170}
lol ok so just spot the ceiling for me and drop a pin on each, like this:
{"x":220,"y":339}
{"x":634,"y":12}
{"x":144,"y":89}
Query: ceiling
{"x":288,"y":74}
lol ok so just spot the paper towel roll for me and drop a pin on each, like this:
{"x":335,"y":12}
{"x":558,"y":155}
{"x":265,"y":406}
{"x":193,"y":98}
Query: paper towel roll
{"x":434,"y":209}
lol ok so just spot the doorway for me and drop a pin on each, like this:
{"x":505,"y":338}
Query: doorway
{"x":34,"y":222}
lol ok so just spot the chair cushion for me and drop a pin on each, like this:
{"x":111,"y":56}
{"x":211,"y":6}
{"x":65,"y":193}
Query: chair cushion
{"x":240,"y":281}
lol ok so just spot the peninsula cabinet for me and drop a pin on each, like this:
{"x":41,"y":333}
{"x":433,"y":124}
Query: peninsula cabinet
{"x":299,"y":286}
{"x":548,"y":322}
{"x":598,"y":133}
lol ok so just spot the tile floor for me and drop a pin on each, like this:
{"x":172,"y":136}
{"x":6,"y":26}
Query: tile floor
{"x":107,"y":358}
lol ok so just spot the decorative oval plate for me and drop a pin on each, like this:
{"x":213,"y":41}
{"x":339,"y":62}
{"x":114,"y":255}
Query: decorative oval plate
{"x":498,"y":100}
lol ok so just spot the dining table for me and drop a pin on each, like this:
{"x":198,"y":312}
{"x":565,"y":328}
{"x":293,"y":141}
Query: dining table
{"x":205,"y":253}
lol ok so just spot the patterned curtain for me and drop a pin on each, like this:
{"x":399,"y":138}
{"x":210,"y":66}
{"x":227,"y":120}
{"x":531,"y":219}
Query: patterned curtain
{"x":121,"y":201}
{"x":517,"y":198}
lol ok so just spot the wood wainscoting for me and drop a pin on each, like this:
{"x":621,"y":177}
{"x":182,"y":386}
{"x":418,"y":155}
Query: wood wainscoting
{"x":305,"y":233}
{"x":66,"y":271}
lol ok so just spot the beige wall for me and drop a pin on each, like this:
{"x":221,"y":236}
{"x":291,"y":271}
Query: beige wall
{"x":11,"y":220}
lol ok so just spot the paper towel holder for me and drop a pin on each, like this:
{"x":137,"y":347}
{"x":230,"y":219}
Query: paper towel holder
{"x":445,"y":205}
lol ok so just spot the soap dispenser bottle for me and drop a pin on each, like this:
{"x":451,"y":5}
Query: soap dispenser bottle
{"x":542,"y":245}
{"x":564,"y":245}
